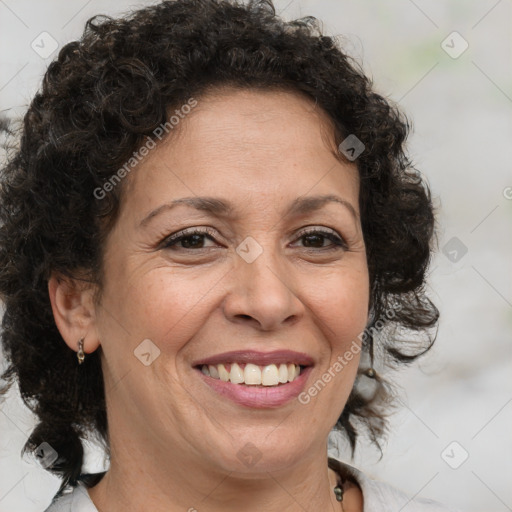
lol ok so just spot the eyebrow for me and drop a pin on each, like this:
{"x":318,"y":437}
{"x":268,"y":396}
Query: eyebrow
{"x":221,"y":208}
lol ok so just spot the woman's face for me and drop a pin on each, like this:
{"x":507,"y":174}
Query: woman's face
{"x":279,"y":277}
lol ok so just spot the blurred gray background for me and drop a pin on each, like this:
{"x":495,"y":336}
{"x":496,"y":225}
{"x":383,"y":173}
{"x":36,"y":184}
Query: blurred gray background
{"x":448,"y":64}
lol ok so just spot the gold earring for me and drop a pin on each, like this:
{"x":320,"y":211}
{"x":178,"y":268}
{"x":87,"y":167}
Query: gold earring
{"x":370,"y":372}
{"x":80,"y":354}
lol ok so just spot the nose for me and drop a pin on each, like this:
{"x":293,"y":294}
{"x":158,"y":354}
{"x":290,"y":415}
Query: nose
{"x":264,"y":294}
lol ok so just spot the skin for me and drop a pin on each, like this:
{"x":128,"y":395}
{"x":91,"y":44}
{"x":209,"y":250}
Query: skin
{"x":174,"y":441}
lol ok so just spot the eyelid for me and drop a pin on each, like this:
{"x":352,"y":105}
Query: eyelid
{"x":207,"y":230}
{"x":313,"y":228}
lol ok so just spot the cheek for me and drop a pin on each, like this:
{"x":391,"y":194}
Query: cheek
{"x":165,"y":305}
{"x":341,"y":303}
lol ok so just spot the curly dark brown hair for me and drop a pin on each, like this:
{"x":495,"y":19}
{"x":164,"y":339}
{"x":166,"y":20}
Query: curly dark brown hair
{"x":99,"y":100}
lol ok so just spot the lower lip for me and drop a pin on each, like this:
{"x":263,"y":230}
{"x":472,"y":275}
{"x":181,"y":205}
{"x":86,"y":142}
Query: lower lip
{"x":259,"y":397}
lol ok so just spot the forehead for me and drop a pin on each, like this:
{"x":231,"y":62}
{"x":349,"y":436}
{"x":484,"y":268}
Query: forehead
{"x":254,"y":140}
{"x":276,"y":119}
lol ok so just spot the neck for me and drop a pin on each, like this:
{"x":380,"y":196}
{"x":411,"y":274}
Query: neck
{"x":135,"y":482}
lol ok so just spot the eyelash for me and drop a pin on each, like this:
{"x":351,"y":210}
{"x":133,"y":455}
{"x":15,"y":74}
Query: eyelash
{"x":176,"y":238}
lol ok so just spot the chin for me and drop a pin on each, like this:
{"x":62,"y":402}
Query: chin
{"x":268,"y":450}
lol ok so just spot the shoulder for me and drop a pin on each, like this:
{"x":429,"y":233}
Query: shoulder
{"x":77,"y":500}
{"x":381,"y":497}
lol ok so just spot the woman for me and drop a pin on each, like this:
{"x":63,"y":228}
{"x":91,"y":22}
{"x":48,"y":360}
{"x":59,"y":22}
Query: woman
{"x":211,"y":239}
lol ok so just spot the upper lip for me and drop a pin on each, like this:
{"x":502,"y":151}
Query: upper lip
{"x":258,"y":358}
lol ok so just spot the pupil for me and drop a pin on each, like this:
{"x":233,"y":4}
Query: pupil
{"x":317,"y":238}
{"x":196,"y":238}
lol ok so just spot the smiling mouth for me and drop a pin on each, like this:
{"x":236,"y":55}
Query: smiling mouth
{"x":251,"y":374}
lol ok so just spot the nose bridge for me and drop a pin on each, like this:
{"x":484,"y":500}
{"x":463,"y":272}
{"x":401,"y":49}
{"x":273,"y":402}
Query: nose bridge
{"x":262,"y":290}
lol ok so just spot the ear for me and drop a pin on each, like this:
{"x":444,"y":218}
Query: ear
{"x":74,"y":311}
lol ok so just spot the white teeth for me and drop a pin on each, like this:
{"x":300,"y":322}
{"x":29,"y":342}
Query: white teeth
{"x":270,"y":376}
{"x":236,"y":375}
{"x":213,"y":371}
{"x":283,"y":373}
{"x":252,"y":374}
{"x":223,"y":373}
{"x":291,"y":372}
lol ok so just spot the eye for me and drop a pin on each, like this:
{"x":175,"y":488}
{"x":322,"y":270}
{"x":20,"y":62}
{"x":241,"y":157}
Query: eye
{"x":192,"y":238}
{"x":314,"y":238}
{"x":195,"y":238}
